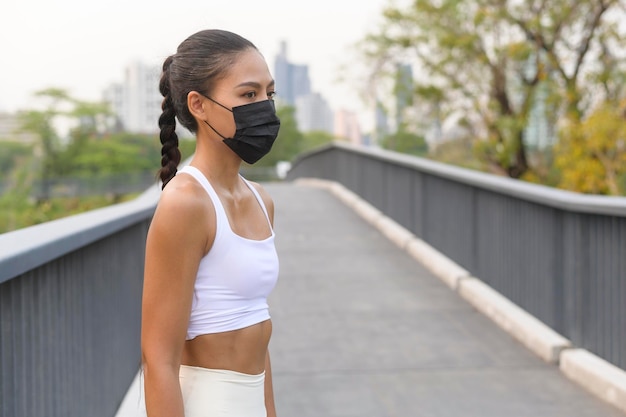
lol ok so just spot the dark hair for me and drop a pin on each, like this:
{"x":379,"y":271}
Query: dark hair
{"x":200,"y":60}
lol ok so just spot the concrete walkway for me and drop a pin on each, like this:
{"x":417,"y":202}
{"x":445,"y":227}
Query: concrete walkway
{"x":361,"y":329}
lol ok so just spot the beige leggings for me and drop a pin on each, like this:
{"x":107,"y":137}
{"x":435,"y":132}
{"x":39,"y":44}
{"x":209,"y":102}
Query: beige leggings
{"x":222,"y":393}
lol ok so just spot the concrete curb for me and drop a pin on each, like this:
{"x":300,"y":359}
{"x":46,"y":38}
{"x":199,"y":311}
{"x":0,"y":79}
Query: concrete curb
{"x":598,"y":376}
{"x":532,"y":333}
{"x":133,"y":404}
{"x":394,"y":232}
{"x":443,"y":268}
{"x":588,"y":370}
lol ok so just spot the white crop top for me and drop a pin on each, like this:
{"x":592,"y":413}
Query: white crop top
{"x":236,"y":276}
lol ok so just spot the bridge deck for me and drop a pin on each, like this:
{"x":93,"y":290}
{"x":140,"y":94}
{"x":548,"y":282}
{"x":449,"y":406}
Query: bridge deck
{"x":361,"y":329}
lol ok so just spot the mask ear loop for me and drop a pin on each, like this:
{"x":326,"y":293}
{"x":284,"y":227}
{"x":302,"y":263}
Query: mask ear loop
{"x":219,"y":104}
{"x":220,"y":135}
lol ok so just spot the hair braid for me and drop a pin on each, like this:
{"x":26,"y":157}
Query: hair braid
{"x":170,"y":154}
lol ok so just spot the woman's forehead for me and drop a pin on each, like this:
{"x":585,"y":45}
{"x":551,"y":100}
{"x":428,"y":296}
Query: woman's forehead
{"x":250,"y":66}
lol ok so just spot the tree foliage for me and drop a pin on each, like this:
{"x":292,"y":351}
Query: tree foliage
{"x":487,"y":62}
{"x":592,"y":153}
{"x":316,"y":138}
{"x":57,"y":157}
{"x":11,"y":155}
{"x":90,"y":149}
{"x":405,"y":142}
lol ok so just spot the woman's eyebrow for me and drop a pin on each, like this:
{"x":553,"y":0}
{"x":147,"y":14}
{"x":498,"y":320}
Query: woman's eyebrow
{"x":255,"y":84}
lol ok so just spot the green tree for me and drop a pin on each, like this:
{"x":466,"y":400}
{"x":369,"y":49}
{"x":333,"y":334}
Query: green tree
{"x":405,"y":142}
{"x":315,"y":139}
{"x":90,"y":124}
{"x":15,"y":199}
{"x":11,"y":155}
{"x":40,"y":123}
{"x":592,"y":153}
{"x":90,"y":154}
{"x":484,"y":62}
{"x":122,"y":153}
{"x":456,"y":152}
{"x":58,"y":159}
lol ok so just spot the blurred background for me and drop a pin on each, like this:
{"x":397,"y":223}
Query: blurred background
{"x":513,"y":91}
{"x":532,"y":90}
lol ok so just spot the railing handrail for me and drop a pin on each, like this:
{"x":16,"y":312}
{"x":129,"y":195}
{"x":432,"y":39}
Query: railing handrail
{"x":536,"y":193}
{"x":25,"y":249}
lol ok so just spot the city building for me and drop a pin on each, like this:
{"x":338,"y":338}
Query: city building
{"x":137,"y":101}
{"x":314,"y":114}
{"x":293,"y":86}
{"x":292,"y":80}
{"x":540,"y":132}
{"x":381,"y":123}
{"x":347,"y":127}
{"x":403,"y":92}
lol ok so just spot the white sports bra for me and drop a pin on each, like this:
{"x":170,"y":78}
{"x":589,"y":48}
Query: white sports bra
{"x":236,"y":276}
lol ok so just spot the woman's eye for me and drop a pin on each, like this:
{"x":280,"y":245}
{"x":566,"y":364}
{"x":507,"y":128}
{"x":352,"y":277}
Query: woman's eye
{"x":251,"y":94}
{"x":271,"y":95}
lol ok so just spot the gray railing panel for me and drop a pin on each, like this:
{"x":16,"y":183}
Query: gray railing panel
{"x":399,"y":206}
{"x":448,"y":218}
{"x":605,"y":292}
{"x":575,"y":275}
{"x":418,"y":213}
{"x":559,"y":255}
{"x":348,"y":168}
{"x":70,"y":300}
{"x":516,"y":239}
{"x":372,"y":177}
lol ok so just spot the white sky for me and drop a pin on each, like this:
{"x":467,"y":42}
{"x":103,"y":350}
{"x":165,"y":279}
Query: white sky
{"x":83,"y":46}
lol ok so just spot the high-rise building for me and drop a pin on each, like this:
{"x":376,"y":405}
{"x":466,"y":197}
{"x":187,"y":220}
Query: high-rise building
{"x":137,"y":101}
{"x":116,"y":98}
{"x":404,"y":91}
{"x":313,"y":113}
{"x":381,"y":123}
{"x":292,"y":80}
{"x":347,"y":127}
{"x":540,"y":132}
{"x":294,"y":89}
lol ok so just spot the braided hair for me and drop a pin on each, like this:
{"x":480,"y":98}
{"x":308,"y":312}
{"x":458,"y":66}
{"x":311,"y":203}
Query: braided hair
{"x":200,"y":60}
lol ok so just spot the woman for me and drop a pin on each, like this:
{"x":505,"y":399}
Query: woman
{"x":210,"y":256}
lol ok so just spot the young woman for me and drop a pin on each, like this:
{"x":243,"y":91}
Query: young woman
{"x":210,"y":257}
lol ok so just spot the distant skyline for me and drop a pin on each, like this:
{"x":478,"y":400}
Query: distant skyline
{"x":84,"y":48}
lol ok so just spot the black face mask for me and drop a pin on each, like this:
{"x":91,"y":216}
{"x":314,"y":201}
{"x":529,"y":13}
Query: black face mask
{"x":257,"y":127}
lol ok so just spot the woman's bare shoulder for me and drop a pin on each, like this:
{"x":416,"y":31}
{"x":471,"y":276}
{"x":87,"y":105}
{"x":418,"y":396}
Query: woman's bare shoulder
{"x":266,"y":197}
{"x":184,"y":205}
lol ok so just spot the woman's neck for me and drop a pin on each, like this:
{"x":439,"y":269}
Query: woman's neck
{"x":218,"y":163}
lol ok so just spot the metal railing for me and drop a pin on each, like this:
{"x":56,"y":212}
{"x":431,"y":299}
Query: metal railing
{"x":561,"y":256}
{"x":70,"y":307}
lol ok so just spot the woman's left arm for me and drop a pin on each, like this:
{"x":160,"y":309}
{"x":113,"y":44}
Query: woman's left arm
{"x":270,"y":406}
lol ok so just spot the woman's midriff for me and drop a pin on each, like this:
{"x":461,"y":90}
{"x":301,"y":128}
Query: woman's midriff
{"x":241,"y":350}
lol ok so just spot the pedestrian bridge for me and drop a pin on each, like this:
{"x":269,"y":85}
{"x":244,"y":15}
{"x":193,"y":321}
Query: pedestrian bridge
{"x":407,"y":288}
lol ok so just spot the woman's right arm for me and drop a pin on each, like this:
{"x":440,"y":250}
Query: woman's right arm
{"x":175,"y":244}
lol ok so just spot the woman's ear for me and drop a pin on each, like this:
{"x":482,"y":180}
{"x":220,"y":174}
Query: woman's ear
{"x":195,"y":104}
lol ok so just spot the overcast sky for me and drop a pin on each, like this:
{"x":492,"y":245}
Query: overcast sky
{"x":84,"y":46}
